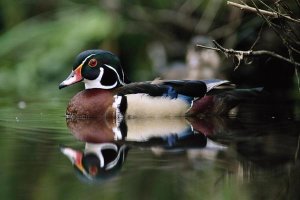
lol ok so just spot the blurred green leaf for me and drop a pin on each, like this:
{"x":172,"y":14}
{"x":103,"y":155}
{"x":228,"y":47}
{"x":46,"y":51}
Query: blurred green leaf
{"x":37,"y":51}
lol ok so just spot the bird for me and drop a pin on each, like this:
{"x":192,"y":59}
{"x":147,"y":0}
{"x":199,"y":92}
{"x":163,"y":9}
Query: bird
{"x":109,"y":94}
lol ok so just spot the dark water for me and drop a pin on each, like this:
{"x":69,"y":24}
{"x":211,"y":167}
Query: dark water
{"x":254,"y":155}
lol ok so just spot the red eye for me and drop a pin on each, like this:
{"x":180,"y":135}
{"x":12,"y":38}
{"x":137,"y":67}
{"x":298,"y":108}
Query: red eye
{"x":93,"y":170}
{"x":93,"y":62}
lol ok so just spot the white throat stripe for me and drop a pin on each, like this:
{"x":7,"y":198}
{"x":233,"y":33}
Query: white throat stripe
{"x":110,"y":67}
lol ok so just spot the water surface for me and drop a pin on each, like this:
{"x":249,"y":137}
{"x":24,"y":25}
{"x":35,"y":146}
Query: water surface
{"x":254,"y":155}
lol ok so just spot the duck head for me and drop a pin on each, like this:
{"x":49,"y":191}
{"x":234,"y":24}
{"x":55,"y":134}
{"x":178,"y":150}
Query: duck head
{"x":98,"y":161}
{"x":97,"y":69}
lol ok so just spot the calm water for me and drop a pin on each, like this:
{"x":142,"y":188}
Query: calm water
{"x":254,"y":155}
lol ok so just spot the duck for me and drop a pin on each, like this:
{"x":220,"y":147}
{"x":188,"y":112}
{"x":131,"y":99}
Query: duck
{"x":109,"y":94}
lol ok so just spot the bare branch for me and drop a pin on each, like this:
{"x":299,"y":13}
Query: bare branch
{"x":298,"y":3}
{"x":283,"y":39}
{"x":207,"y":47}
{"x":258,"y":36}
{"x":251,"y":9}
{"x":272,"y":14}
{"x":297,"y":78}
{"x":240,"y":55}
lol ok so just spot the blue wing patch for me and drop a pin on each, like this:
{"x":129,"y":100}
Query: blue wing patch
{"x":172,"y":94}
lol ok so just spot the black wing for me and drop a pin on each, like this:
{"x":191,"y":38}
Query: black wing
{"x":165,"y":88}
{"x":143,"y":87}
{"x":187,"y":87}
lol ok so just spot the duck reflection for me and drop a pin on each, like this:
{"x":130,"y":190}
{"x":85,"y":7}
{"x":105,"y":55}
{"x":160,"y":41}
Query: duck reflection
{"x":99,"y":130}
{"x":105,"y":149}
{"x":97,"y":161}
{"x":242,"y":148}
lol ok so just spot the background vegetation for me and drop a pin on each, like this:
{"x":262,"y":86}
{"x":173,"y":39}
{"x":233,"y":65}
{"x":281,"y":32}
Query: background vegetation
{"x":38,"y":42}
{"x":39,"y":39}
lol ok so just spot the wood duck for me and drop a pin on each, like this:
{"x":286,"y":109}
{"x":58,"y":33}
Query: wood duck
{"x":109,"y":94}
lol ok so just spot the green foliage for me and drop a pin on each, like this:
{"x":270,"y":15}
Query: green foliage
{"x":39,"y":40}
{"x":37,"y":53}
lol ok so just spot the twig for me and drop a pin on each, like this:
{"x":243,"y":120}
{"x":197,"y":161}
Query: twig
{"x":285,"y":16}
{"x":207,"y":47}
{"x":298,"y":3}
{"x":278,"y":33}
{"x":241,"y":54}
{"x":295,"y":50}
{"x":251,"y":9}
{"x":297,"y":78}
{"x":258,"y":36}
{"x":273,"y":14}
{"x":284,"y":38}
{"x":296,"y":69}
{"x":297,"y":149}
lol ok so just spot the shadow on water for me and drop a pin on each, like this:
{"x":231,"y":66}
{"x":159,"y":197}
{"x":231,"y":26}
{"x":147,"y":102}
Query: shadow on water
{"x":253,"y":155}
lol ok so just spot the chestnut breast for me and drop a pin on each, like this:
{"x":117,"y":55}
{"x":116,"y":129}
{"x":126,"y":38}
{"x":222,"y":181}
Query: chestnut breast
{"x":92,"y":103}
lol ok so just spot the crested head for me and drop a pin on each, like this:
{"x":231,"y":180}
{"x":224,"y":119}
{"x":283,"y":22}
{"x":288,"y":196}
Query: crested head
{"x":97,"y":69}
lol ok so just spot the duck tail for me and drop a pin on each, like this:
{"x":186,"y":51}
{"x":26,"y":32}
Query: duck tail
{"x":222,"y":103}
{"x":227,"y":102}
